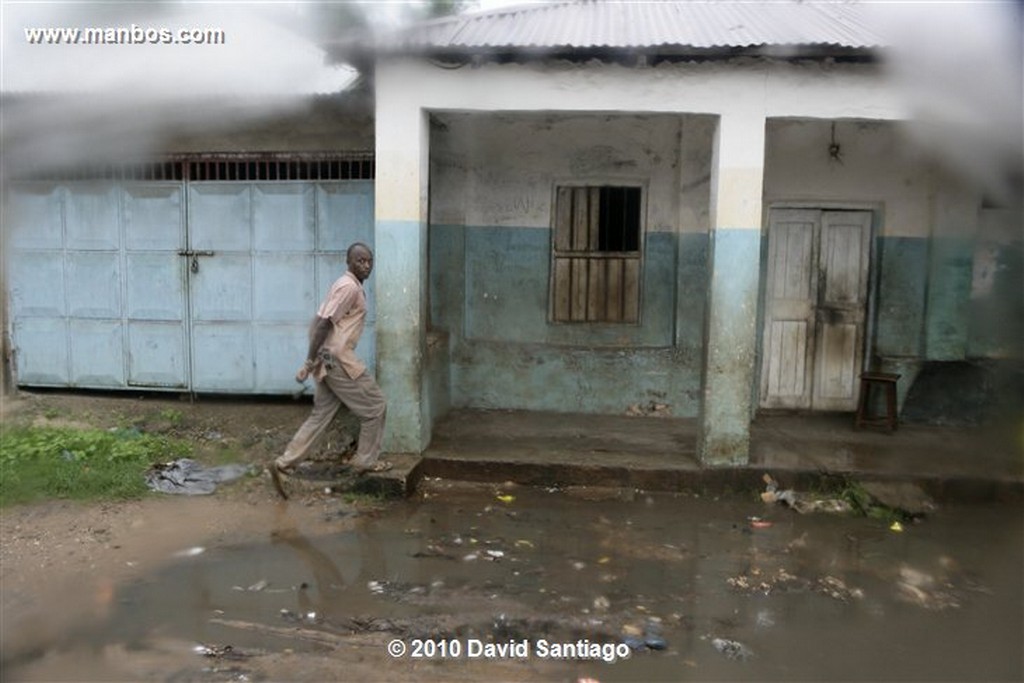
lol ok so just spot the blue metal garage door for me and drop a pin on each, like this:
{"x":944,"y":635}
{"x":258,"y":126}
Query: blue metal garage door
{"x":200,"y":285}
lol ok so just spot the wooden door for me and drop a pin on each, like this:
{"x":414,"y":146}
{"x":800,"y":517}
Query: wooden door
{"x":815,"y":308}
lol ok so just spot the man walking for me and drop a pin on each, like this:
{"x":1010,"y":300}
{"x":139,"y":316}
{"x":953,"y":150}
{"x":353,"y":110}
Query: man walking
{"x":340,"y":376}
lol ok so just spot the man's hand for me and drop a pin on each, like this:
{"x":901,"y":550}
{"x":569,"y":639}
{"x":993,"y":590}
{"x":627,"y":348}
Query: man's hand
{"x":304,"y":371}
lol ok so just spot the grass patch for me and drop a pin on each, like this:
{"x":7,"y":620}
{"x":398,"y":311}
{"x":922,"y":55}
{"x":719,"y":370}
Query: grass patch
{"x":39,"y":463}
{"x":173,"y":416}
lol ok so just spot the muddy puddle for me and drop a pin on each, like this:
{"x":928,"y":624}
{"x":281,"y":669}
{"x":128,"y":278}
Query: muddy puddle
{"x":484,"y":583}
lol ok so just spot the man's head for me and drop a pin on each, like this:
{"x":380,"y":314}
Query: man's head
{"x":360,"y":260}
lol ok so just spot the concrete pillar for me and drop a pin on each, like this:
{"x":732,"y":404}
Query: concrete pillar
{"x":402,"y":152}
{"x":737,"y":173}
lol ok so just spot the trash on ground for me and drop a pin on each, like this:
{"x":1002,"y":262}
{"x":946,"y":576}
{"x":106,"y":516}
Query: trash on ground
{"x":653,"y":637}
{"x":190,"y":552}
{"x":896,"y":526}
{"x":756,"y":581}
{"x":434,"y":550}
{"x":649,"y":409}
{"x":947,"y":589}
{"x":186,"y":476}
{"x":220,"y":652}
{"x":732,"y":649}
{"x":802,"y":502}
{"x":837,"y":589}
{"x":505,"y":498}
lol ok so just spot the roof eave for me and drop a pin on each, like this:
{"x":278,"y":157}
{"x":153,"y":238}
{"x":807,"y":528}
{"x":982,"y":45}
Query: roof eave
{"x":648,"y":55}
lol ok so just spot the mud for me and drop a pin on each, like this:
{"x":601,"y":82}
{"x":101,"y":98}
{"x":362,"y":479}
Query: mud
{"x":240,"y":586}
{"x":694,"y":588}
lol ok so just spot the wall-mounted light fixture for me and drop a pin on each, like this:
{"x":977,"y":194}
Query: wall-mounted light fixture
{"x":835,"y":152}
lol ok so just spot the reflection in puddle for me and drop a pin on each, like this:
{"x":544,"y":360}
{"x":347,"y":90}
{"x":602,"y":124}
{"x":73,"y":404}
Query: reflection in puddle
{"x":696,"y":588}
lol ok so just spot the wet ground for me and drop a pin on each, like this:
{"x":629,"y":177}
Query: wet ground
{"x":641,"y":586}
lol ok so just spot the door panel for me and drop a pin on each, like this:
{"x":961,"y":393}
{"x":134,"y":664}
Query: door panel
{"x":91,"y":217}
{"x":283,"y":217}
{"x":789,"y":291}
{"x":222,"y":357}
{"x":94,"y":284}
{"x":41,"y":351}
{"x":97,"y":355}
{"x":37,"y":284}
{"x":35,"y":217}
{"x":155,"y":299}
{"x":815,"y":304}
{"x":787,"y":379}
{"x":155,"y":286}
{"x":157,"y":353}
{"x":220,"y":217}
{"x":845,"y":249}
{"x":221,"y":288}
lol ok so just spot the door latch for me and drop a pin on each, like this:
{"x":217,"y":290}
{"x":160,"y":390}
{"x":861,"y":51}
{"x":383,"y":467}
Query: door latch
{"x":194,"y":257}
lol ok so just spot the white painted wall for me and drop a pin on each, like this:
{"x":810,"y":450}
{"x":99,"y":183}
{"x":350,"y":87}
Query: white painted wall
{"x":820,"y":90}
{"x":501,"y":169}
{"x":879,"y":168}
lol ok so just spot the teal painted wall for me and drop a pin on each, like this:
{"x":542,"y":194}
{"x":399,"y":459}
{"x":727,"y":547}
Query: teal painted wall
{"x":730,"y":350}
{"x":996,"y":312}
{"x":489,"y":294}
{"x":935,"y":305}
{"x":948,"y":301}
{"x":401,"y":312}
{"x":902,"y":288}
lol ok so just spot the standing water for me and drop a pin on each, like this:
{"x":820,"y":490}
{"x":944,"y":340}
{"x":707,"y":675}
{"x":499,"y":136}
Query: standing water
{"x":478,"y":583}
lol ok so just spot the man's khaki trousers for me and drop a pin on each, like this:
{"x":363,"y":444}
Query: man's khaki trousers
{"x":362,"y":396}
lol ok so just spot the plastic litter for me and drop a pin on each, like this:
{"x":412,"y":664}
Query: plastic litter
{"x":653,"y":638}
{"x":801,"y":503}
{"x":505,"y":498}
{"x":188,"y":477}
{"x":732,"y":649}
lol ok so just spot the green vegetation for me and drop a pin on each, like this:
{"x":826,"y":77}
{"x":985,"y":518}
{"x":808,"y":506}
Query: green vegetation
{"x":863,"y":503}
{"x":171,"y":415}
{"x":83,"y":464}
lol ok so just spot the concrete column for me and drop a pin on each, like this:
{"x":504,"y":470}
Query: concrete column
{"x":402,"y":152}
{"x":737,"y":173}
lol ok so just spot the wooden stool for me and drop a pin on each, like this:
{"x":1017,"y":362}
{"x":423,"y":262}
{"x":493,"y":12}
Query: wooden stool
{"x":887,"y":381}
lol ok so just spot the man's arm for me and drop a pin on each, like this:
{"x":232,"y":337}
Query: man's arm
{"x":319,"y":335}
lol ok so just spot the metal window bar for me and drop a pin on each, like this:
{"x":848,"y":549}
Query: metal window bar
{"x":240,"y":168}
{"x":596,"y":257}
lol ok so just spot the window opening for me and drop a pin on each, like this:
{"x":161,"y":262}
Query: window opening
{"x":596,"y":254}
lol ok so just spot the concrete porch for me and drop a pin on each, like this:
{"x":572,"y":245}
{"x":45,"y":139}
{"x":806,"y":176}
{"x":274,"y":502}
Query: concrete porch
{"x":658,"y":453}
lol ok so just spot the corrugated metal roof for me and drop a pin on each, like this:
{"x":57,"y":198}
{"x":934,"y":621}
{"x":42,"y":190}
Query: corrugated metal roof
{"x":644,"y":24}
